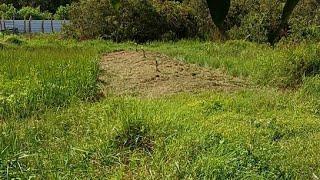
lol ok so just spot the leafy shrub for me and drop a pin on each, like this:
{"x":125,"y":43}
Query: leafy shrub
{"x":253,"y":20}
{"x":62,"y":12}
{"x":252,"y":28}
{"x":259,"y":19}
{"x":201,"y":11}
{"x":7,"y":11}
{"x":138,"y":21}
{"x":26,"y":12}
{"x":180,"y":20}
{"x":91,"y":19}
{"x":10,"y":12}
{"x":135,"y":20}
{"x":305,"y":23}
{"x":46,"y":15}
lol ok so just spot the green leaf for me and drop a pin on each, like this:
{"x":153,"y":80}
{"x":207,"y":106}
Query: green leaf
{"x":115,"y":4}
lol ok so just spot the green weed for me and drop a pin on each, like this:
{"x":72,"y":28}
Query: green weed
{"x":253,"y":133}
{"x":14,"y":40}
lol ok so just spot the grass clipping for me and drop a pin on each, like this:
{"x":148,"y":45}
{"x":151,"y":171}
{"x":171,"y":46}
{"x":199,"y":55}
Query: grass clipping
{"x":149,"y":74}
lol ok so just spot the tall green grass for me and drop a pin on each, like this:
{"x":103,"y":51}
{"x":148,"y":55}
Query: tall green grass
{"x":253,"y":133}
{"x":48,"y":72}
{"x":282,"y":66}
{"x":34,"y":79}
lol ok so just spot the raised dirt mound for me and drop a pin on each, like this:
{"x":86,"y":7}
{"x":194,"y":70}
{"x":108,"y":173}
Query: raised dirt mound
{"x":150,"y":74}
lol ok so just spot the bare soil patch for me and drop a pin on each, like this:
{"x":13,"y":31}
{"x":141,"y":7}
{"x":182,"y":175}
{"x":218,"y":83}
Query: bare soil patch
{"x":150,"y":74}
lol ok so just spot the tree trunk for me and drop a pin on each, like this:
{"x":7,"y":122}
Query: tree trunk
{"x":219,"y":10}
{"x":286,"y":13}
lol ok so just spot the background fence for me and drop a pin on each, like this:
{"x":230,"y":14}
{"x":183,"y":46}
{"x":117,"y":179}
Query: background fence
{"x":33,"y":26}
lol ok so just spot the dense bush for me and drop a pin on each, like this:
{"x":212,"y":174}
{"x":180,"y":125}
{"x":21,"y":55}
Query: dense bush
{"x":35,"y":13}
{"x":205,"y":24}
{"x":139,"y":21}
{"x":45,"y":5}
{"x":62,"y":12}
{"x":91,"y":19}
{"x":180,"y":21}
{"x":305,"y":24}
{"x":146,"y":20}
{"x":253,"y":20}
{"x":7,"y":10}
{"x":136,"y":20}
{"x":256,"y":20}
{"x":26,"y":12}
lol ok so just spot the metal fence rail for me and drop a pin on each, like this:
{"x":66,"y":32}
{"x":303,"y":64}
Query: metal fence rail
{"x":33,"y":26}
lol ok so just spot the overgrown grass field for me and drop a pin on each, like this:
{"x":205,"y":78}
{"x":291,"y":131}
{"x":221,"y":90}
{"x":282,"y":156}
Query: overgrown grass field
{"x":53,"y":127}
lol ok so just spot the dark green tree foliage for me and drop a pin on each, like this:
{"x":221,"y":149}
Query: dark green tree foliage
{"x":139,"y":21}
{"x":134,"y":20}
{"x":26,"y":12}
{"x":62,"y":12}
{"x":219,"y":11}
{"x":45,"y":5}
{"x":7,"y":10}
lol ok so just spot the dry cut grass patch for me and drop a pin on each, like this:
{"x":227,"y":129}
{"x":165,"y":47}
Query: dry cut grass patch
{"x":150,"y":74}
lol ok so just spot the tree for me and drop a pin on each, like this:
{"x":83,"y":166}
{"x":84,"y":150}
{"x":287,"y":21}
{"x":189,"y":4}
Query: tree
{"x":219,"y":10}
{"x":287,"y":11}
{"x":45,"y":5}
{"x":62,"y":12}
{"x":26,"y":12}
{"x":7,"y":11}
